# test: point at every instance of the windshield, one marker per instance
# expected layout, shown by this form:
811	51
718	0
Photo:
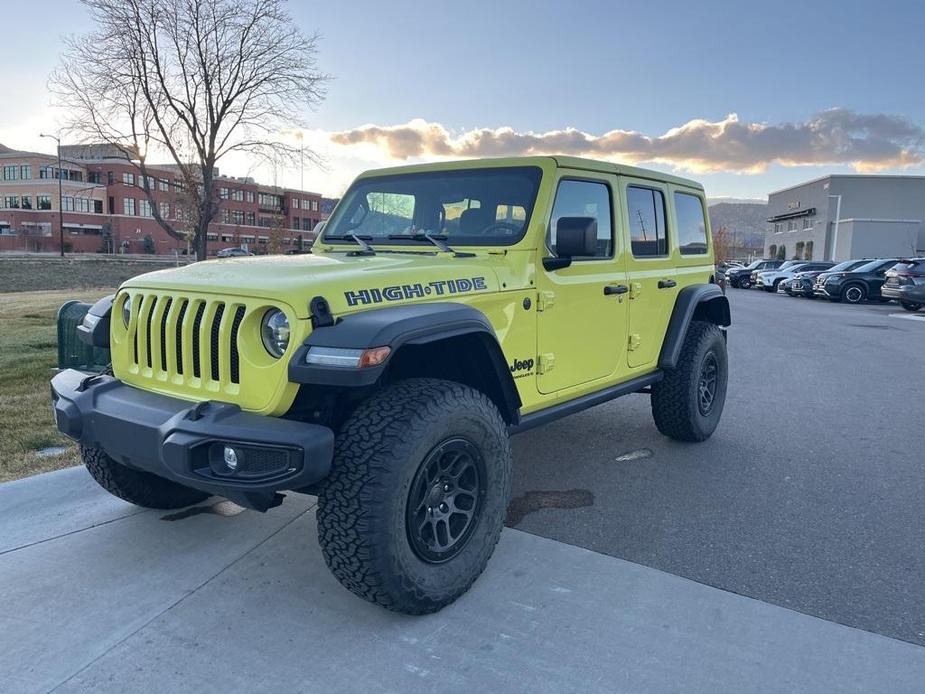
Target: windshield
873	265
845	266
468	207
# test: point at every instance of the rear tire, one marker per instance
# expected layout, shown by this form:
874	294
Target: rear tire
745	284
135	486
910	305
386	524
854	294
688	402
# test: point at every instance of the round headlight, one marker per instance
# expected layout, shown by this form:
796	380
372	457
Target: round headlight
126	310
274	329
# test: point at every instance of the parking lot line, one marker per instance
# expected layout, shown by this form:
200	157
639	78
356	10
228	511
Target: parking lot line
908	316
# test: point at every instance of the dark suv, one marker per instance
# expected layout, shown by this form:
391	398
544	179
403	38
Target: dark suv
905	282
856	286
741	277
803	282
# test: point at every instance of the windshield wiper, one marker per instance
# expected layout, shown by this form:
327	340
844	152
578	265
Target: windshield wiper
366	249
439	240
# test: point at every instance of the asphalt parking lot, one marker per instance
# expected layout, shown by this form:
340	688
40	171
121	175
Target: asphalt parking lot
809	494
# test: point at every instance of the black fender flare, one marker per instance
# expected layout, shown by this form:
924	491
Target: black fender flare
395	327
94	331
700	302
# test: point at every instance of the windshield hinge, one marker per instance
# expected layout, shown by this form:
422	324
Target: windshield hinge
320	312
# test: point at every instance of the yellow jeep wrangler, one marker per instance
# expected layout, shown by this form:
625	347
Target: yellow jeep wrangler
443	308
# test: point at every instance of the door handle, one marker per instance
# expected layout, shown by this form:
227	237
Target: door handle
615	289
667	284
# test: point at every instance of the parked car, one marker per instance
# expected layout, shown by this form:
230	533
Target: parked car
232	253
856	286
741	277
905	282
719	277
769	279
803	282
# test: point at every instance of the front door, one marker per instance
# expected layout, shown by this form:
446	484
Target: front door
582	309
651	269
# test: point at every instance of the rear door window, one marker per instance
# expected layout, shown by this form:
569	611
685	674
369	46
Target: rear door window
646	210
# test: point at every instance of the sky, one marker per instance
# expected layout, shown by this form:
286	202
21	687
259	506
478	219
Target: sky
745	97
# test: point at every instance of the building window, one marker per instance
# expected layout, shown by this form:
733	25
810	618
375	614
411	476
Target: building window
25	172
238	195
163	184
799	250
692	224
27	202
223	193
145	208
150	181
307	224
646	207
11	172
808	251
128	179
314	205
128	206
772	251
68	204
295	204
165	210
237	216
94	177
791	225
43	202
295	223
807	223
249	196
11	202
251	218
46	172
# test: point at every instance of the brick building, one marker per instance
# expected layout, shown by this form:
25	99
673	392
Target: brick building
106	209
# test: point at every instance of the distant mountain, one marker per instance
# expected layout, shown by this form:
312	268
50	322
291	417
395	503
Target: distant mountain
746	221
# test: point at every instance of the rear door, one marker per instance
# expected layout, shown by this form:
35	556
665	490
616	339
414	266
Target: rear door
650	267
582	310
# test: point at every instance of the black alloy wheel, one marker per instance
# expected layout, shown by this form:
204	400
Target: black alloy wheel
445	500
706	386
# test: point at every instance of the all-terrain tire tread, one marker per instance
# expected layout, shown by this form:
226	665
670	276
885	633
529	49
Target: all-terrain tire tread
136	486
347	524
672	406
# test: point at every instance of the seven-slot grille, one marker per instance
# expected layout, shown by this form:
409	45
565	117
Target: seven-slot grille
187	338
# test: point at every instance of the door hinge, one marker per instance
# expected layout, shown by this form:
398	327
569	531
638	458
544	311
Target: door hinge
545	362
634	342
545	301
635	290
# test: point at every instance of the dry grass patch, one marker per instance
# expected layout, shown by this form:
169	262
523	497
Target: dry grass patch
28	356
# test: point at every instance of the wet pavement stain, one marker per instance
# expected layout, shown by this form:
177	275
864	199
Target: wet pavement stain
222	508
534	501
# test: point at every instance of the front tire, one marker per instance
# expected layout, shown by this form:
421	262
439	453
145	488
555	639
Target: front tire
136	486
910	305
855	294
688	402
417	495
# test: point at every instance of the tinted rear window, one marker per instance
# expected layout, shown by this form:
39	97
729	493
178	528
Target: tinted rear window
915	267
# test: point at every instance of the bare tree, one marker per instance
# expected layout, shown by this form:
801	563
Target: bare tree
193	80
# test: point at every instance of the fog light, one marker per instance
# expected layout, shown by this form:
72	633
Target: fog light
231	458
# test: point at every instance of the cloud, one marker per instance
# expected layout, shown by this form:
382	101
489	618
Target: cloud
866	142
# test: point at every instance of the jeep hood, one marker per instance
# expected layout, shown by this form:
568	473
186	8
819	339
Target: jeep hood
349	283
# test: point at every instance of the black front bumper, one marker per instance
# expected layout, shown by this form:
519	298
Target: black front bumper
177	440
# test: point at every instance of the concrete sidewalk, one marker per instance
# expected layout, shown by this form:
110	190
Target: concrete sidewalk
98	596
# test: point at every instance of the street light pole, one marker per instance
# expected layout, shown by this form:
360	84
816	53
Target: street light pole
60	194
835	230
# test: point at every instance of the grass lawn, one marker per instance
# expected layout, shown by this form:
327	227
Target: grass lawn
28	355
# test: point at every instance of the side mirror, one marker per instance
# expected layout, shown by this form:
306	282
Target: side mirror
576	237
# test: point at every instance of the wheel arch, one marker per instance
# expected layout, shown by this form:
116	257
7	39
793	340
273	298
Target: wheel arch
445	340
704	302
